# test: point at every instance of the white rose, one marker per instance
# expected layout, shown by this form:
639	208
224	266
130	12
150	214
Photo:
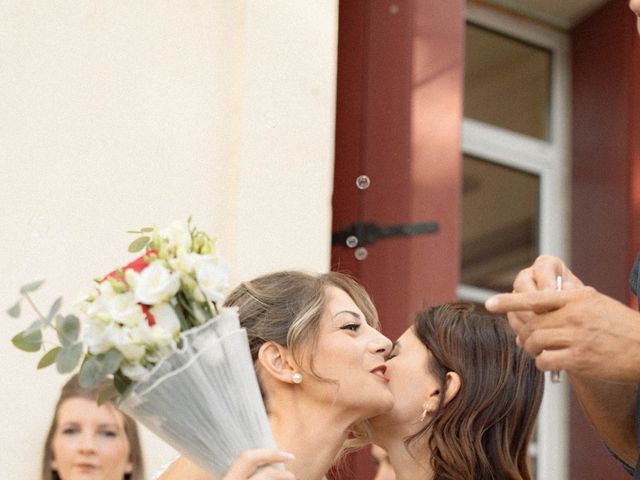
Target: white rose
155	284
131	351
185	261
141	334
96	338
98	309
106	289
125	310
101	337
166	319
213	278
177	235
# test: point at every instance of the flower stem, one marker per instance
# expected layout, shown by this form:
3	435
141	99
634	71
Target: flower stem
33	305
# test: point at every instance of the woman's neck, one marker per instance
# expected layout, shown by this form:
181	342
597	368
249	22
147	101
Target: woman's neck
314	435
408	466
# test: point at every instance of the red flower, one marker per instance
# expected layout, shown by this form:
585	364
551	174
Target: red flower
138	265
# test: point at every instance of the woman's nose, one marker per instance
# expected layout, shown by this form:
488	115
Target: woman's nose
87	443
382	344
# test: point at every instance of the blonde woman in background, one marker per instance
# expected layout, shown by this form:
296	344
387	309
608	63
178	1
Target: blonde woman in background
90	442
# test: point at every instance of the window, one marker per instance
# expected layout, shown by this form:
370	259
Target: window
515	198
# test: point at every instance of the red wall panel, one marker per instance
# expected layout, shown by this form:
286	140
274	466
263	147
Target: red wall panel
399	114
605	182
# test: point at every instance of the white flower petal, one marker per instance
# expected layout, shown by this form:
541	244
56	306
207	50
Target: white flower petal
156	284
213	278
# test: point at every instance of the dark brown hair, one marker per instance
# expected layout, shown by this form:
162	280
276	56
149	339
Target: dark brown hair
484	431
72	389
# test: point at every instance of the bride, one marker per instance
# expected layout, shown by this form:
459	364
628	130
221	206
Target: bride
320	362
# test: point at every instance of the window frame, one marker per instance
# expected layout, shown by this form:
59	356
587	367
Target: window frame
549	159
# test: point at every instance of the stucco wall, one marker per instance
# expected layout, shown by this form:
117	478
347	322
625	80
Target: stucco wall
121	114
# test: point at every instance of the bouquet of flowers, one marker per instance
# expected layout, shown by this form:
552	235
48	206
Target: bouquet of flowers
180	364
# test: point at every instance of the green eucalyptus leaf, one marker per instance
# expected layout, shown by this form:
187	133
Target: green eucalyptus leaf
55	308
36	326
49	358
68	328
107	393
15	310
111	361
91	373
69	357
28	341
146	229
31	287
139	244
121	382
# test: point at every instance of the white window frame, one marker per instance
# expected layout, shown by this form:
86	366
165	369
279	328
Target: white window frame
550	161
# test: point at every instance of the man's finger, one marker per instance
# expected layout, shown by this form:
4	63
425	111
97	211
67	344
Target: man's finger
554	360
545	270
525	281
549	339
517	320
538	302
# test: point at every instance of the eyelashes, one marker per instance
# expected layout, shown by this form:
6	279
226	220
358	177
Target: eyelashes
351	326
104	433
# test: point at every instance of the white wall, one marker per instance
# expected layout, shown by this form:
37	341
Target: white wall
121	114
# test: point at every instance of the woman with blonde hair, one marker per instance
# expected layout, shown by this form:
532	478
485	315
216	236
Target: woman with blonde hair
319	358
90	442
466	398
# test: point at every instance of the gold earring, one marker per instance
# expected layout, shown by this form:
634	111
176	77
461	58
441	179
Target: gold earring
296	378
423	415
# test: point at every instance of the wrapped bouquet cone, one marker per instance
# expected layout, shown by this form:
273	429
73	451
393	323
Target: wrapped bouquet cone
204	398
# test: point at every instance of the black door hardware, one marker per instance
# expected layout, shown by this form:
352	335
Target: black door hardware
368	233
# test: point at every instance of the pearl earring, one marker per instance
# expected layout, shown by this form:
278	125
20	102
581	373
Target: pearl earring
296	378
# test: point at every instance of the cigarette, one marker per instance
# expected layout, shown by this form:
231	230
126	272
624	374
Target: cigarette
555	374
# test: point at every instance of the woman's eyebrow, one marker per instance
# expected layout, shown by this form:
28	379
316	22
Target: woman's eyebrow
114	426
350	312
69	423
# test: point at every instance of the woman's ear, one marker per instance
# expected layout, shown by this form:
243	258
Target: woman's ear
453	384
276	361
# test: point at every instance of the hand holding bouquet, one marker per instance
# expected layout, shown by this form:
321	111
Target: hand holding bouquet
180	364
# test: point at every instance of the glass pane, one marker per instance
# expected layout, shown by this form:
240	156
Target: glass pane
507	82
500	220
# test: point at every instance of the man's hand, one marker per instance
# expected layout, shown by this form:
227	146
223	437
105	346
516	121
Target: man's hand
578	330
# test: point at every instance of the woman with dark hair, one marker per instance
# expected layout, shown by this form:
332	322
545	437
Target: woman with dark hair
90	442
466	399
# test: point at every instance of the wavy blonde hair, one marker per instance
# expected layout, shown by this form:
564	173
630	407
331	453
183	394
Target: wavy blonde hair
285	307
